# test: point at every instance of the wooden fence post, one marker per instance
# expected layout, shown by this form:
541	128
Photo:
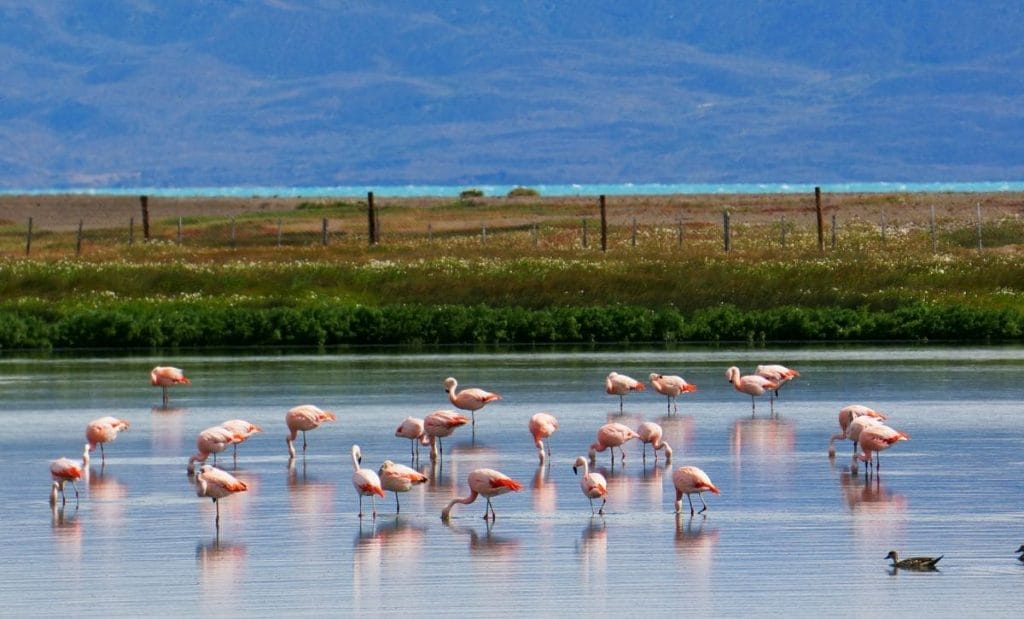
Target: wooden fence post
821	219
131	231
323	232
604	225
633	238
144	200
833	230
725	231
371	217
28	238
583	229
78	241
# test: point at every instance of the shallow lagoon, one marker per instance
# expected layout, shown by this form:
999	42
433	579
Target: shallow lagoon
791	532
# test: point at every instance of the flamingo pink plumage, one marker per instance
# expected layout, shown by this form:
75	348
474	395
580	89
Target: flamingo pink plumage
610	436
779	374
542	426
103	430
486	482
242	429
846	415
212	440
690	480
620	385
166	376
412	429
303	418
439	424
64	470
751	384
399	478
365	481
594	485
671	387
471	399
876	438
217	484
650	432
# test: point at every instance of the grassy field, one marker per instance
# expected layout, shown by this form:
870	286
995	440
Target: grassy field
493	270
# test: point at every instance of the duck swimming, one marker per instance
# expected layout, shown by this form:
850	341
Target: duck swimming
923	564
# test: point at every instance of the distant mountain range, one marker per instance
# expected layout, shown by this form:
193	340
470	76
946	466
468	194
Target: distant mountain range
286	92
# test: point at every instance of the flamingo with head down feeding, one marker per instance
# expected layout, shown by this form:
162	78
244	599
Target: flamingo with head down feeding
542	426
690	480
877	438
610	436
103	430
64	470
303	418
488	483
650	432
846	416
439	424
212	440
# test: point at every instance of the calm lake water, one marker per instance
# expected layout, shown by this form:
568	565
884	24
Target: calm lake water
792	532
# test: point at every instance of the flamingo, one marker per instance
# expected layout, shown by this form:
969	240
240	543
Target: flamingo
612	435
690	480
846	415
486	482
103	430
412	429
439	424
471	399
671	387
542	425
63	470
164	376
303	418
752	384
650	432
857	425
778	374
594	485
620	385
876	438
399	478
212	440
242	429
365	482
217	484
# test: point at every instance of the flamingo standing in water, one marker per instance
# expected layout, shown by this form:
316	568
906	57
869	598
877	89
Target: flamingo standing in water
399	478
874	439
164	376
242	430
103	430
212	440
846	415
471	399
64	470
690	480
650	432
303	418
779	374
594	485
217	484
542	426
610	436
751	384
620	385
671	387
365	481
412	429
439	424
857	425
486	482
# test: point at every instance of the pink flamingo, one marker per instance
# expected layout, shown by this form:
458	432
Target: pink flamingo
412	429
690	480
242	429
874	439
779	374
620	385
399	478
846	415
212	440
217	484
304	418
650	432
671	387
439	424
103	430
752	384
610	436
64	470
471	399
594	485
857	425
542	426
486	482
365	482
164	376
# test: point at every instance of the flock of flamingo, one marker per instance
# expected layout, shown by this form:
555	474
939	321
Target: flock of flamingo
863	426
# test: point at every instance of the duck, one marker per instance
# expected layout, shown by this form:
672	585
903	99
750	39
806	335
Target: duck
1021	550
923	564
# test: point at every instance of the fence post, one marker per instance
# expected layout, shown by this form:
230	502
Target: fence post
725	230
931	231
78	241
633	238
28	238
821	219
371	217
323	232
144	200
978	226
131	231
583	227
833	230
604	225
